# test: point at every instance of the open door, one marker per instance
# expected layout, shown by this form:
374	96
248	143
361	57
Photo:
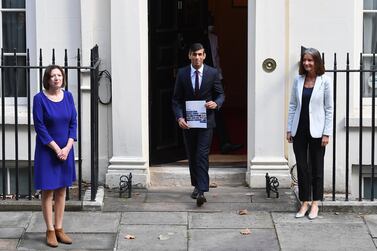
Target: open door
173	26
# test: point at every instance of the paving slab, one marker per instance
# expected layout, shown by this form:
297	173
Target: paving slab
371	221
213	196
322	218
14	219
147	238
326	236
11	232
348	230
8	244
80	222
207	207
232	239
230	220
154	218
102	241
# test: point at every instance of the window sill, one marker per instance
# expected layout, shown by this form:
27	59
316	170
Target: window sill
354	122
22	115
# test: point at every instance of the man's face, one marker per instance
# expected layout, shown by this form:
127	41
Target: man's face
197	58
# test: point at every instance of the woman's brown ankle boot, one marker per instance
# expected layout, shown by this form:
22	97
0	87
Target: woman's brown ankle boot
62	237
51	238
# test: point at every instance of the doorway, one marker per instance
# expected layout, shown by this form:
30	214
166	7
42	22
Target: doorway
173	26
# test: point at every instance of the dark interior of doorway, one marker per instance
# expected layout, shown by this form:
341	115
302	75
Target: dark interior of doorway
173	25
230	23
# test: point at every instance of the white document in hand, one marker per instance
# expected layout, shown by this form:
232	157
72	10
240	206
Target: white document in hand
196	114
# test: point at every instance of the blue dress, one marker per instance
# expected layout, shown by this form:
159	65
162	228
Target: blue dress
53	121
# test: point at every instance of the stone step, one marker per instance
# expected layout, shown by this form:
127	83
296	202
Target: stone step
180	176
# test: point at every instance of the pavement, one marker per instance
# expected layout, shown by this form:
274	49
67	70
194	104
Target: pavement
166	218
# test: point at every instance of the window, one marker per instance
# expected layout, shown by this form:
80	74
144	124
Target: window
369	42
13	32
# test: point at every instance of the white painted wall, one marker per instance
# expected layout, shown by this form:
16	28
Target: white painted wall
331	27
95	29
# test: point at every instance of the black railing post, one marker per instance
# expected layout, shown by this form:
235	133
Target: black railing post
94	121
16	122
28	122
66	68
4	173
361	127
373	123
79	122
53	56
40	70
347	121
334	131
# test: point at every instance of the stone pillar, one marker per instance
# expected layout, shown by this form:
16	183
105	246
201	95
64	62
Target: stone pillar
268	38
129	68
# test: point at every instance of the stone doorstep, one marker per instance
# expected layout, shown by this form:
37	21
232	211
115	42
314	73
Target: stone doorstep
340	205
180	176
71	205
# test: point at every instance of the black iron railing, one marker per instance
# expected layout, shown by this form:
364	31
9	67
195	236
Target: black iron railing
361	127
14	71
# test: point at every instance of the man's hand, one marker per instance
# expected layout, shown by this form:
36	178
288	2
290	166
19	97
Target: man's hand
182	123
211	105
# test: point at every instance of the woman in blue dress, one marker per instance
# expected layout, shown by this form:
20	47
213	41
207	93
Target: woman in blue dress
55	123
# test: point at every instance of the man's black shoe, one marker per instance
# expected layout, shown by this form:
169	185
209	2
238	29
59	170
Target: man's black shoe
200	200
195	193
228	147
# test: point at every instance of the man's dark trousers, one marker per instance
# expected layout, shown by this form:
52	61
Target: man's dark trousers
197	142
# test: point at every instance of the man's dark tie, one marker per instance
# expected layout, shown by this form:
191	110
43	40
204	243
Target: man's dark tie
197	84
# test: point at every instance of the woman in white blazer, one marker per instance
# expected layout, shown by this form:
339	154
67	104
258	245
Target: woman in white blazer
309	127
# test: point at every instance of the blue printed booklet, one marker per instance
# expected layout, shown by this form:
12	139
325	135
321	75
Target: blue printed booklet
196	114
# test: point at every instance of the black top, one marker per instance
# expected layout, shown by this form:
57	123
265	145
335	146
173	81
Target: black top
304	115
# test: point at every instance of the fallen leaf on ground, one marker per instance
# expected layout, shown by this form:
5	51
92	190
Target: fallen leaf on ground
243	212
130	237
213	185
245	231
162	237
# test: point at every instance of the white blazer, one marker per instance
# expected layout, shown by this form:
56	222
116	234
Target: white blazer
320	106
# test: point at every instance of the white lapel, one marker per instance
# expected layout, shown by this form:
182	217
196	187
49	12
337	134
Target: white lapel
300	86
317	85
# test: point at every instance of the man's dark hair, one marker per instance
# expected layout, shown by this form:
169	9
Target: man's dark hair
195	47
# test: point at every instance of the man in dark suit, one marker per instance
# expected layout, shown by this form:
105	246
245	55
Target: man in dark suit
197	81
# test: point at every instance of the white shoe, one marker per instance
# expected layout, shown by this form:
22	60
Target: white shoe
312	215
300	214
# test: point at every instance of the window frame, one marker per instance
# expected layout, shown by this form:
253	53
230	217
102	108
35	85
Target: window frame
10	100
367	101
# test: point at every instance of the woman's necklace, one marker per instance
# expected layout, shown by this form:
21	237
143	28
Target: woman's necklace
55	96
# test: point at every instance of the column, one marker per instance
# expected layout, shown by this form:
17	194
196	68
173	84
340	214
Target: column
129	68
268	38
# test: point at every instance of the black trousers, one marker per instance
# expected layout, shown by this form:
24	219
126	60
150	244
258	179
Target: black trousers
197	143
310	164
